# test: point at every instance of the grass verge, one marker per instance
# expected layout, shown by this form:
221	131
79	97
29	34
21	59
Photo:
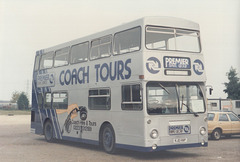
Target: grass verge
15	112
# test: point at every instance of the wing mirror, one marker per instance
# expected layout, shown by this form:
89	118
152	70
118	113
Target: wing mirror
210	89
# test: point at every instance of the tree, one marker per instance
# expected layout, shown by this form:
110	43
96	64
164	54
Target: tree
23	102
233	86
15	96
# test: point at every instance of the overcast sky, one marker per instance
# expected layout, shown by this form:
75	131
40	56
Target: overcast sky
30	25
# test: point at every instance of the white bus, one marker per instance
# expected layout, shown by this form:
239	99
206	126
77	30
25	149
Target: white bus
138	86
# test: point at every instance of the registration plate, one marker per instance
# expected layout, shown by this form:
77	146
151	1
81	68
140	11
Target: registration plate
179	140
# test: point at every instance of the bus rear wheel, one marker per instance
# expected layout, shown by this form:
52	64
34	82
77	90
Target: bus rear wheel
108	139
48	131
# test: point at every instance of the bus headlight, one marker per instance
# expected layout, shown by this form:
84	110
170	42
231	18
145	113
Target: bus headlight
154	134
202	130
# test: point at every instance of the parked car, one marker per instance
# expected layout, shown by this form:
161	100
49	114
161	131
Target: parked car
222	123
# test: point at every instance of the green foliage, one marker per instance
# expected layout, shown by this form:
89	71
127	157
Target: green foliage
233	86
23	102
15	96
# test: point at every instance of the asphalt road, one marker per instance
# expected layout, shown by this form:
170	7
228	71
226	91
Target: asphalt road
18	144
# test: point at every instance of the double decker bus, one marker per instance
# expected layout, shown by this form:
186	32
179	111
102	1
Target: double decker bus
138	86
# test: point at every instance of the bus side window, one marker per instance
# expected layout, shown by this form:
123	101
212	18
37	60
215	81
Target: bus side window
47	100
79	53
61	57
131	97
60	100
127	41
46	61
101	47
99	99
40	100
36	65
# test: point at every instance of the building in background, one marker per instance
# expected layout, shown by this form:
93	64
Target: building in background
7	105
224	105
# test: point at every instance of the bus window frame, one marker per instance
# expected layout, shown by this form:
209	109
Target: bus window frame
96	96
111	47
88	53
175	29
37	68
55	54
58	92
140	43
41	60
131	102
177	84
40	100
44	101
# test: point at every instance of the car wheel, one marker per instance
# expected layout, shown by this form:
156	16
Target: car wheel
216	134
48	131
108	139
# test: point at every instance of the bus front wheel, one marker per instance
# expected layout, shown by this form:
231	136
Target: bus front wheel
108	139
48	131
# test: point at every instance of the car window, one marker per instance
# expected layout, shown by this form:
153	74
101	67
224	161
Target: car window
211	116
233	117
223	117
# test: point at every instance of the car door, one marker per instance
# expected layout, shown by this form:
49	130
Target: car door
224	123
235	124
211	122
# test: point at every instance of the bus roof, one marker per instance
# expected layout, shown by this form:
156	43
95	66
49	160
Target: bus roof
157	20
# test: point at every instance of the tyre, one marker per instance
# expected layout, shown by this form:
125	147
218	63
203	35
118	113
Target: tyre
48	131
216	134
108	139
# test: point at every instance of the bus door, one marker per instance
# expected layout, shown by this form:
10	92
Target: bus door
69	117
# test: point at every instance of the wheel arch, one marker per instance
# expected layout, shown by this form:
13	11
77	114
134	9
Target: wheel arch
219	128
45	121
216	134
101	129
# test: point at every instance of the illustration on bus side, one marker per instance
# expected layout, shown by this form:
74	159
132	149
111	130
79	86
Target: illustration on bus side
72	112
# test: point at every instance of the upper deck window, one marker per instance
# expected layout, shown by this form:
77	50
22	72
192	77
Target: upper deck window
61	57
170	39
127	41
79	53
46	60
36	65
101	47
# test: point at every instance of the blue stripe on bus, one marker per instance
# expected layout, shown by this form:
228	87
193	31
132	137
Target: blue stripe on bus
159	148
53	118
50	113
137	148
88	141
57	124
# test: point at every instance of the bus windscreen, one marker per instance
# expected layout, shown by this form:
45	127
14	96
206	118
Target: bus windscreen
170	39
